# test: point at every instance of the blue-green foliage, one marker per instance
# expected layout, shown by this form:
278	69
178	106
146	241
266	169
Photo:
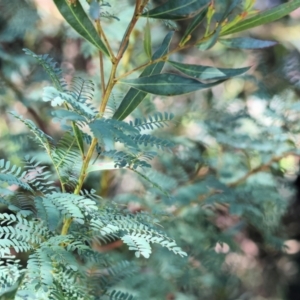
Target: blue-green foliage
123	159
221	186
158	120
54	269
50	67
108	131
12	175
52	259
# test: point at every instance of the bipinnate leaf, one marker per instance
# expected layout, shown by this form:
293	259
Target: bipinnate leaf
147	40
206	72
176	9
167	84
264	17
247	43
51	68
139	244
134	96
78	19
109	130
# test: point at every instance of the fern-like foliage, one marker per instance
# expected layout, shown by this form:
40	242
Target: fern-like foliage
118	295
107	131
51	68
136	234
41	137
37	176
150	140
53	261
78	110
65	265
57	241
80	94
10	272
13	175
124	159
158	120
106	276
65	116
83	92
23	236
65	155
34	178
73	100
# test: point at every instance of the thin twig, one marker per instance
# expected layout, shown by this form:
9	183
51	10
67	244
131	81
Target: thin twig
103	35
139	6
159	59
102	78
106	93
102	73
258	169
239	181
112	81
164	57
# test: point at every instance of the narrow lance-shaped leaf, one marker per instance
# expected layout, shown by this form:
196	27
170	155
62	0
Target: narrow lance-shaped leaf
206	72
78	19
167	84
176	9
247	43
231	5
209	41
134	97
147	40
264	17
195	22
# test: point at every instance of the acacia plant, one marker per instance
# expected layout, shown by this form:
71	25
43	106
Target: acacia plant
57	226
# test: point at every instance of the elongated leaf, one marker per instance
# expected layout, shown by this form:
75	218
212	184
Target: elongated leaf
176	9
78	19
206	72
167	84
209	41
147	40
264	17
195	22
247	43
231	5
134	97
